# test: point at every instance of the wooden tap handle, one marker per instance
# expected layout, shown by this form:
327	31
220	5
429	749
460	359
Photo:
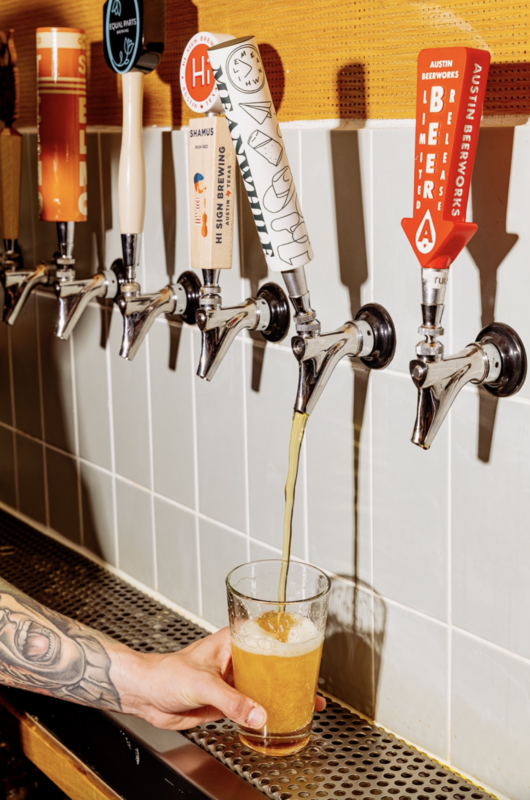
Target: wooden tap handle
131	178
10	167
212	183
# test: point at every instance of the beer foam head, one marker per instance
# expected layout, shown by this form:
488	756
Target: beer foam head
303	636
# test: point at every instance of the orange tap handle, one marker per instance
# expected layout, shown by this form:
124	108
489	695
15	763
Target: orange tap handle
449	98
61	122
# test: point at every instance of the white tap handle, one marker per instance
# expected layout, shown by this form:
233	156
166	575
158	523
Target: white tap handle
131	179
260	150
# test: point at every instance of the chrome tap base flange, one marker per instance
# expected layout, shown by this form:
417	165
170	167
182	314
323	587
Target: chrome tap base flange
278	303
384	330
192	286
513	355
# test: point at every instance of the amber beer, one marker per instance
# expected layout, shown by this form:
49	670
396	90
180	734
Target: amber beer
275	653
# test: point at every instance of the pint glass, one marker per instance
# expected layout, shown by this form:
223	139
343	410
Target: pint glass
276	648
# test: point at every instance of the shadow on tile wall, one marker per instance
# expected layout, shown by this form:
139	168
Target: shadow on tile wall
356	627
253	264
490	245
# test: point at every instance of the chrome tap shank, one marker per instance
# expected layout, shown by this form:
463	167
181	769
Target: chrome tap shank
439	382
140	312
75	295
371	337
496	360
19	283
220	326
319	355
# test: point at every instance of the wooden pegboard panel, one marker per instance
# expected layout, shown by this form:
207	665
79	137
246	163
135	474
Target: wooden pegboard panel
325	59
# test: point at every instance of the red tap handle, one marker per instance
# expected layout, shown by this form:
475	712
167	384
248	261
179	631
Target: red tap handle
450	94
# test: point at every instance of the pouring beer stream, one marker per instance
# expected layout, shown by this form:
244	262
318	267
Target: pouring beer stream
268	180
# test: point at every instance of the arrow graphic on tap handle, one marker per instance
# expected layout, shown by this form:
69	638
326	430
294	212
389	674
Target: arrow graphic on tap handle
450	94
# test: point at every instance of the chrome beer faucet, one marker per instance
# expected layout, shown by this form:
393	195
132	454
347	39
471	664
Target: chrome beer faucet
370	337
18	284
267	313
74	295
141	310
496	360
447	130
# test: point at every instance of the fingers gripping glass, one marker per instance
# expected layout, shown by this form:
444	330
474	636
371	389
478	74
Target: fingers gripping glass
276	648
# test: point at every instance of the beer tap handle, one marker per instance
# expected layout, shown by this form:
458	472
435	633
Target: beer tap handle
211	159
10	144
133	43
10	170
244	92
450	93
131	177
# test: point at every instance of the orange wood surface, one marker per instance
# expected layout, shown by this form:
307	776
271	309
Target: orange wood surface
73	777
342	59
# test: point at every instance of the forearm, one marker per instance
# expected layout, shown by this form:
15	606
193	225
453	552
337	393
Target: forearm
47	652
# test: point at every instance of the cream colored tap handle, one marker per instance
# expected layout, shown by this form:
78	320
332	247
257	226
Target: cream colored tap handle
131	178
212	178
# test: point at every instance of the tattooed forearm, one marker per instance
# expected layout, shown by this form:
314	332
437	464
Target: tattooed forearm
44	651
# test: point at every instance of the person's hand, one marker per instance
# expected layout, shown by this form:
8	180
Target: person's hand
188	688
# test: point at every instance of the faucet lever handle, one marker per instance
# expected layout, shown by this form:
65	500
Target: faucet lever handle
450	93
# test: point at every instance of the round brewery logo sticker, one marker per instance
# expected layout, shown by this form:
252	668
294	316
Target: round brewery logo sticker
197	82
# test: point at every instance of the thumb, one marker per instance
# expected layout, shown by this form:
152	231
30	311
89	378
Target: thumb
235	705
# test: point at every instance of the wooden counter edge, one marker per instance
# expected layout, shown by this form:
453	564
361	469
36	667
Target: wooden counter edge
61	766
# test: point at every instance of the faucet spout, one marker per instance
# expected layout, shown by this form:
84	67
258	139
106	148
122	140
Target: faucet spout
139	313
17	287
370	337
75	295
267	313
318	356
219	327
440	382
141	310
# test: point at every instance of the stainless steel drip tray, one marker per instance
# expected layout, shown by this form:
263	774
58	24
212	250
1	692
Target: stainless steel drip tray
347	756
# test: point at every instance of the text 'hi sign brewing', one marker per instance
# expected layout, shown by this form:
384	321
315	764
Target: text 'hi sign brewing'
450	94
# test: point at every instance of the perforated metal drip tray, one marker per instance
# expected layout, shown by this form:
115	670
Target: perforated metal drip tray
347	757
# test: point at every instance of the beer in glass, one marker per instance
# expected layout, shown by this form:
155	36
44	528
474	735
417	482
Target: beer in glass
276	648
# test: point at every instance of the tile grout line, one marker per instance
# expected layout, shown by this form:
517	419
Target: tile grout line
151	462
449	586
107	322
194	405
150	431
76	440
245	444
42	423
450	545
13	415
371	424
196	472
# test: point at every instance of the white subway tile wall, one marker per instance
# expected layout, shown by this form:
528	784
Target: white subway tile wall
176	481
